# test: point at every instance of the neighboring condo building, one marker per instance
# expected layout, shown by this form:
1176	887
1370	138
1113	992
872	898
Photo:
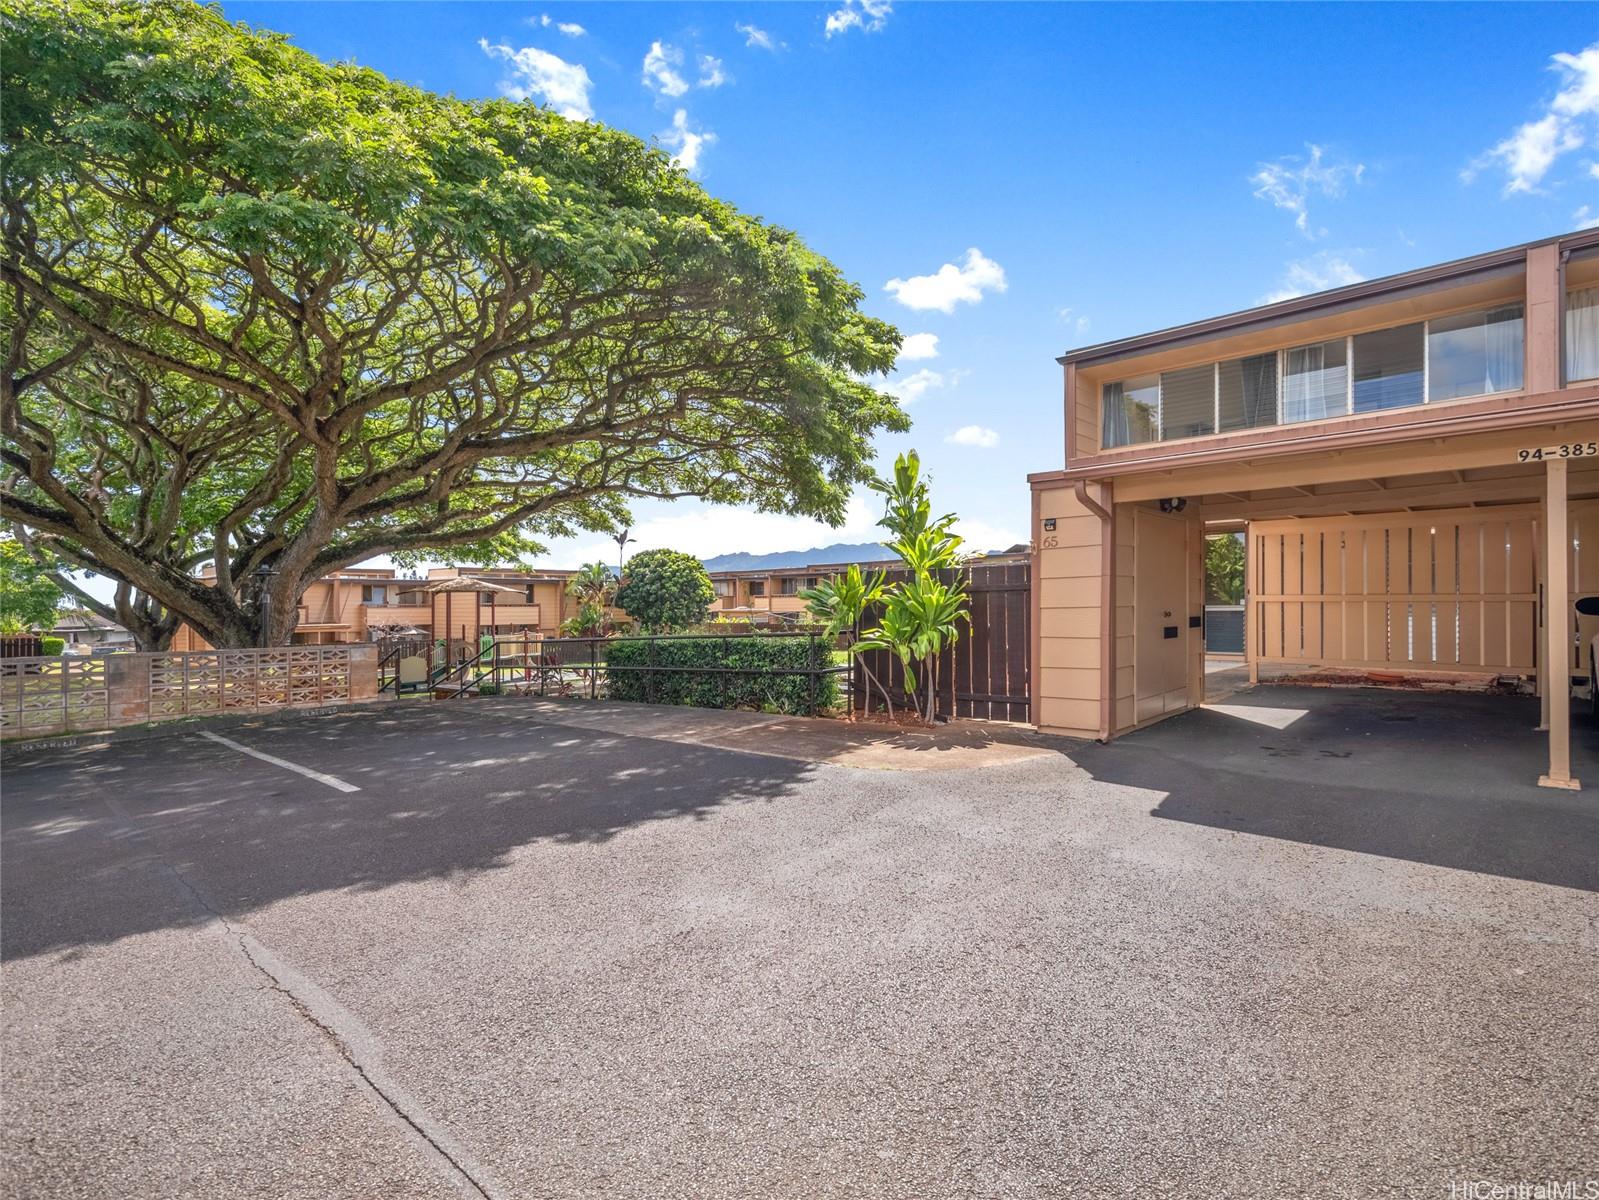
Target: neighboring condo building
368	603
772	595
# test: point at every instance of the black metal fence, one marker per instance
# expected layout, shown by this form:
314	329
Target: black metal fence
592	667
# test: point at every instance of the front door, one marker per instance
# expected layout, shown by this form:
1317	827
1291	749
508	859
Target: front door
1160	599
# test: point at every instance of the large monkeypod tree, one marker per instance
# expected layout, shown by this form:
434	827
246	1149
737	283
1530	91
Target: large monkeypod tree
265	317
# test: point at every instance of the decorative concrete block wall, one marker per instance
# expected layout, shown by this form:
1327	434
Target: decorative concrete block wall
71	694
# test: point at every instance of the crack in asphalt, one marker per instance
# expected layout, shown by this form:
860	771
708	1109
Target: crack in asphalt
344	1031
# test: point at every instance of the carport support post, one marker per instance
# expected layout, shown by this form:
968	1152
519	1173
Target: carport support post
1557	653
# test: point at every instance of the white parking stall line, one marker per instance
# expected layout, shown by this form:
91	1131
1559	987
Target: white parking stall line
331	781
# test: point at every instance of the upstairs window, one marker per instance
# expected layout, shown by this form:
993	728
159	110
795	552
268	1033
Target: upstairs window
1316	381
788	586
757	587
1188	402
1389	368
1582	334
1131	412
1246	392
1475	353
1448	358
374	594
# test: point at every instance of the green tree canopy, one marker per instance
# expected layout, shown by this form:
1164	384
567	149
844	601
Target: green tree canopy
664	590
29	599
1224	569
279	316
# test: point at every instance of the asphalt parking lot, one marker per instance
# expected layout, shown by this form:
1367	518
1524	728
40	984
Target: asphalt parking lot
528	959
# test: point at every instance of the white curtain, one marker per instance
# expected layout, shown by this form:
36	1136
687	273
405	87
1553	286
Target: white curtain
1312	389
1502	350
1582	335
1114	429
1296	381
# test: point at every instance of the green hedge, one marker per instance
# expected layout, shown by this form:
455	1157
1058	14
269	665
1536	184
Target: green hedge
52	645
760	689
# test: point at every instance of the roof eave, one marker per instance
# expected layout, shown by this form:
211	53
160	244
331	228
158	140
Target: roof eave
1267	314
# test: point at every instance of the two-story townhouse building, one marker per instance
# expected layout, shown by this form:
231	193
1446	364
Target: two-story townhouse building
337	608
1411	459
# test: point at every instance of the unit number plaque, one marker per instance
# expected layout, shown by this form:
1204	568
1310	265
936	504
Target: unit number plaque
1563	450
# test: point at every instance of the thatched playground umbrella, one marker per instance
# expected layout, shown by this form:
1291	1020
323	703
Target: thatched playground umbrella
448	589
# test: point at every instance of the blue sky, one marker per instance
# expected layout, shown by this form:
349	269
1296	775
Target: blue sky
1017	180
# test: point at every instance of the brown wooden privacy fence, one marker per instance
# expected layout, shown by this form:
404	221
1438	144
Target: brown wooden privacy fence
21	646
985	674
40	696
1442	591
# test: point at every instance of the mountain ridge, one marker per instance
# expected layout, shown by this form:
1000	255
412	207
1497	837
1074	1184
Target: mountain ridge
838	552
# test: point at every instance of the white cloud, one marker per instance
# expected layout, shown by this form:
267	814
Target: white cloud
1079	322
973	435
1586	218
562	85
711	73
983	535
570	28
950	285
1570	121
660	70
1314	274
1291	181
684	143
757	37
917	346
911	388
867	15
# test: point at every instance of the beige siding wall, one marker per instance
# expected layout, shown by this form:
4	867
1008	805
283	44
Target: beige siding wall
1069	566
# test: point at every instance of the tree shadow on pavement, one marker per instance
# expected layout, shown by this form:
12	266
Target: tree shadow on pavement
445	793
1448	780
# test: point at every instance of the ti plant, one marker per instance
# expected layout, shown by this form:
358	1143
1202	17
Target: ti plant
922	613
839	604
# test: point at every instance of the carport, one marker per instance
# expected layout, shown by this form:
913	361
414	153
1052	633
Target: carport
1357	565
1387	536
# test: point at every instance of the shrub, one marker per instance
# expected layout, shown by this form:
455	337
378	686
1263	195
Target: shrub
52	645
761	689
665	589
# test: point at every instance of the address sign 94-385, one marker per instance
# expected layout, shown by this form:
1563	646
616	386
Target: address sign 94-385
1564	450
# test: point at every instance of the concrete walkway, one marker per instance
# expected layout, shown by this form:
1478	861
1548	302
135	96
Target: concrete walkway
955	746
